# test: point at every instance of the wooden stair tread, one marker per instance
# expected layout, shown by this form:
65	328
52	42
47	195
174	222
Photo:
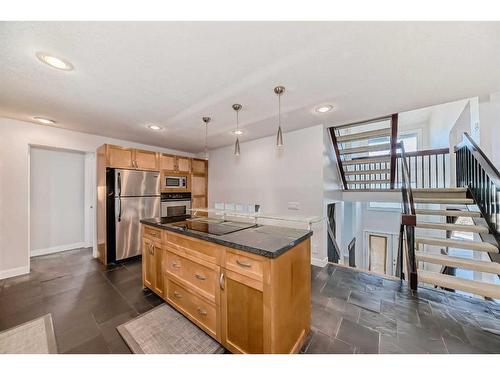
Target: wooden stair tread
421	211
359	150
368	160
444	200
451	261
453	282
454	227
364	135
440	190
371	171
460	244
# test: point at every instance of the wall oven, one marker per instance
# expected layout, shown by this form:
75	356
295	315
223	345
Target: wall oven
175	182
175	204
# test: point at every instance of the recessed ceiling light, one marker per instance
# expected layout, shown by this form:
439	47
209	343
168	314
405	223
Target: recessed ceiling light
237	132
324	108
155	127
44	120
54	62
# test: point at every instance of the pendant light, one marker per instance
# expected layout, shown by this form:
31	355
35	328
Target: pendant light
279	90
237	108
206	120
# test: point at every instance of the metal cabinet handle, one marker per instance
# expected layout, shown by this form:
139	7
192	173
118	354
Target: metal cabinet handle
243	264
200	277
175	265
177	295
201	311
221	281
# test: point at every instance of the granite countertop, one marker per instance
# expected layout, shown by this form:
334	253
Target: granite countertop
265	240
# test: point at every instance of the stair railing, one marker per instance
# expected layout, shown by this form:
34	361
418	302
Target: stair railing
475	171
426	168
407	227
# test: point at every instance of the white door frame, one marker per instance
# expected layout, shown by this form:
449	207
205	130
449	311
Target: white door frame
90	202
392	250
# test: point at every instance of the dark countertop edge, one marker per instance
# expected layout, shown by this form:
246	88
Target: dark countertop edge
213	239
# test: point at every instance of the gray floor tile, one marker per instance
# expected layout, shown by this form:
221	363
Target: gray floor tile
364	340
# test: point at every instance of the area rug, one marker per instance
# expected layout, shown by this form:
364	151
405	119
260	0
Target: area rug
33	337
163	330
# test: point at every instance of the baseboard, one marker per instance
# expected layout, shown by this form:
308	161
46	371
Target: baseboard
319	262
56	249
14	272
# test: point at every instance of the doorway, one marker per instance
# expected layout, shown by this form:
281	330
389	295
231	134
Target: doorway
61	200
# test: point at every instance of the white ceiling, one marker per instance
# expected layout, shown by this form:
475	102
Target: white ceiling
129	74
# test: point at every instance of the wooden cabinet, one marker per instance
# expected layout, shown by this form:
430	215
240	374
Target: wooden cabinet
152	261
120	157
183	164
242	306
131	158
148	264
175	163
147	160
199	183
247	302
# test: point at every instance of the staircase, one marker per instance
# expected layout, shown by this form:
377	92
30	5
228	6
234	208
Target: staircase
366	153
460	201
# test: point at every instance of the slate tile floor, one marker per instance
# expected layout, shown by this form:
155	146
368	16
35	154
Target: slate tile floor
87	300
357	312
352	312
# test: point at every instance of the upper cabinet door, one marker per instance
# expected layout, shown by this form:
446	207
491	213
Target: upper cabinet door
183	164
120	157
199	166
167	162
146	160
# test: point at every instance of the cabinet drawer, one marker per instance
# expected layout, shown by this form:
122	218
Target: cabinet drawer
201	312
250	266
152	232
196	275
184	245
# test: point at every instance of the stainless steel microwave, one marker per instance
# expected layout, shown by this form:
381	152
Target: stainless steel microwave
175	182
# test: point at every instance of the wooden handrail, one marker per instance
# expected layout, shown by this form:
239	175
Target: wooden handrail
339	160
433	151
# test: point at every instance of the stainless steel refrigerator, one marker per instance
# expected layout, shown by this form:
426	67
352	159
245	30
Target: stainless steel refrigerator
131	196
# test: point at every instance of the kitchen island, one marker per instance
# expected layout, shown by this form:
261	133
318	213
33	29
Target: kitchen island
248	286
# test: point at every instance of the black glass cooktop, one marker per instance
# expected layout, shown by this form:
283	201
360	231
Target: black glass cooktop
215	228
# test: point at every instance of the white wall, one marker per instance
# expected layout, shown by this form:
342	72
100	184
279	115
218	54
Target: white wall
272	178
57	197
489	116
15	139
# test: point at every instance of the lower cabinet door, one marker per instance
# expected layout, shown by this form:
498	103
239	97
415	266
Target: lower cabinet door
158	254
148	264
242	313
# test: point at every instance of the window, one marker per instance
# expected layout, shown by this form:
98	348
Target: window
410	141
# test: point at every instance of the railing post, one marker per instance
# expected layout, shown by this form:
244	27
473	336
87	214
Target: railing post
394	140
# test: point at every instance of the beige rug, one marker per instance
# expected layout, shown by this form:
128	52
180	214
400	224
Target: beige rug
34	337
163	330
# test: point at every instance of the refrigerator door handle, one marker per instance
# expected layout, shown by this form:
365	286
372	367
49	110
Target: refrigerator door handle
119	197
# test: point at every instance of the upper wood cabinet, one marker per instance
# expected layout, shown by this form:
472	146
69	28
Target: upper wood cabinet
199	166
119	157
131	158
146	160
175	163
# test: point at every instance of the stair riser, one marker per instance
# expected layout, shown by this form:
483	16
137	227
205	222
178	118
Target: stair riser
488	267
443	201
454	195
459	245
461	228
491	290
